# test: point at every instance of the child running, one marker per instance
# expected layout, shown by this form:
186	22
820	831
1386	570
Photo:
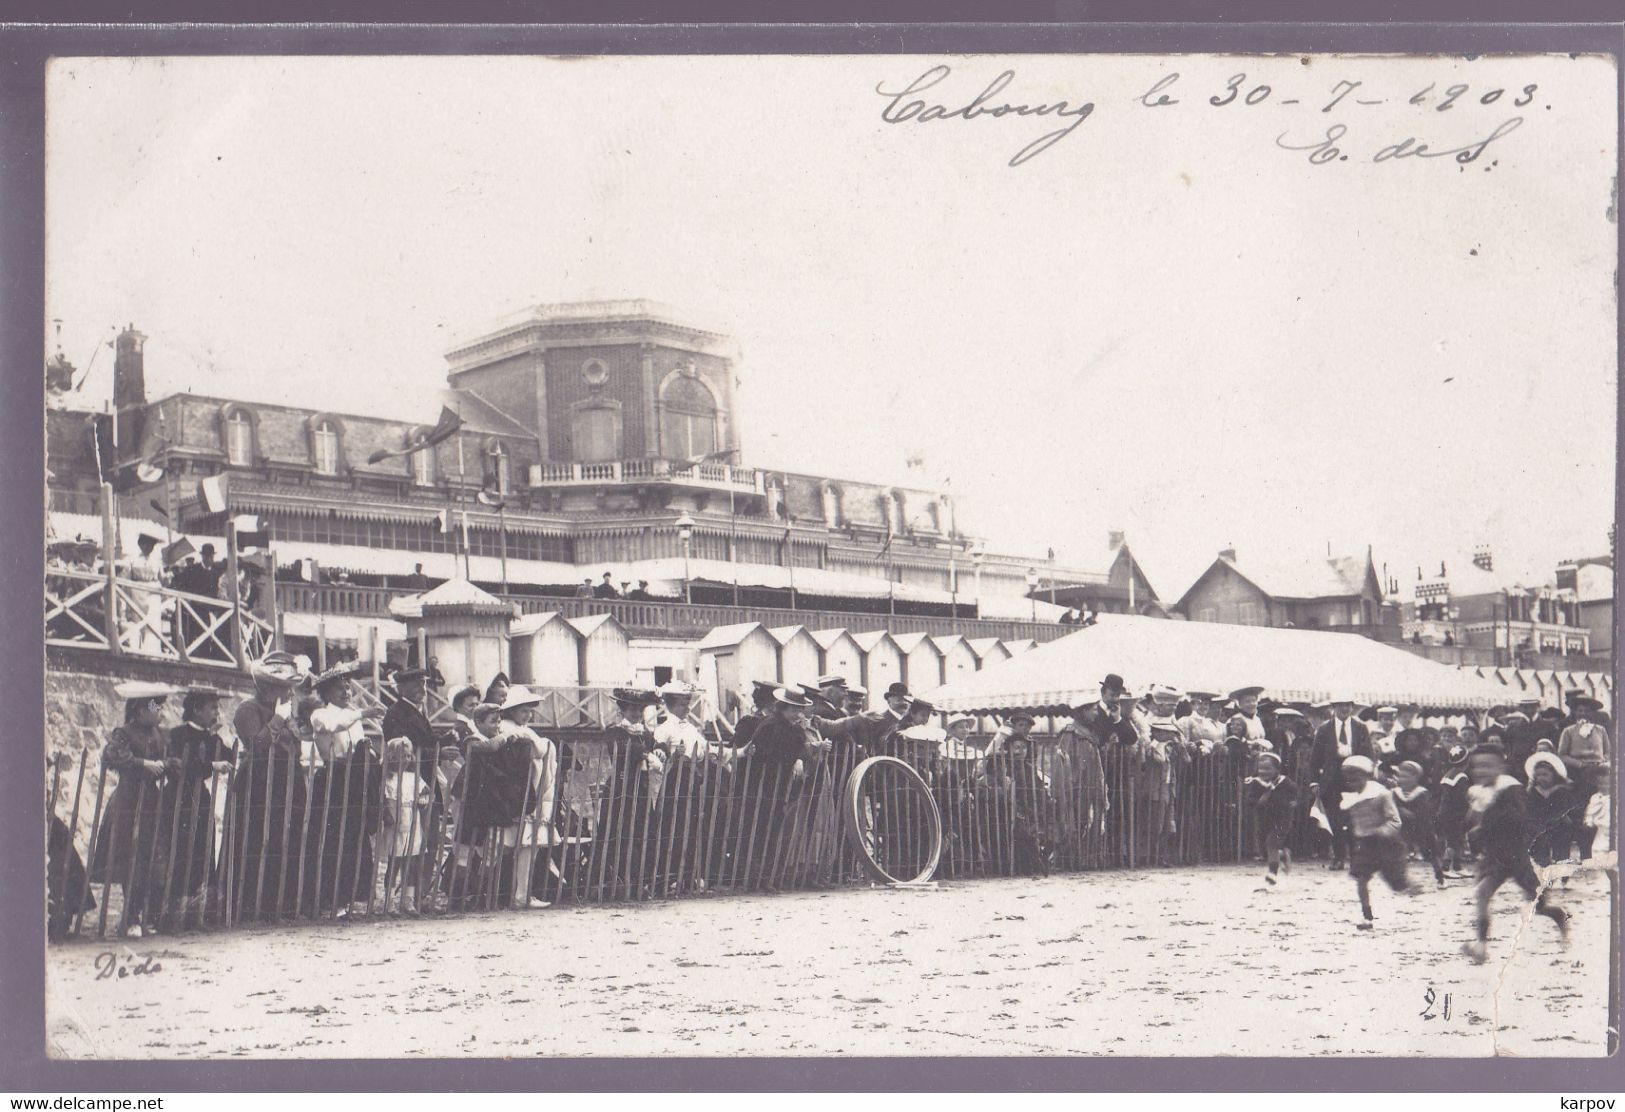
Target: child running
1377	844
1499	821
1273	799
1418	813
1452	809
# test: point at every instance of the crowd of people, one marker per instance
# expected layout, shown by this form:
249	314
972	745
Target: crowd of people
146	617
323	801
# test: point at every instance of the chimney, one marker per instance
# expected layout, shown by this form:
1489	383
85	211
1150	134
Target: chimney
1115	538
1228	554
129	370
1482	558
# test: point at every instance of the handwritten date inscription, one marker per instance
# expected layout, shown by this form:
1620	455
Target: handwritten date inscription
1449	123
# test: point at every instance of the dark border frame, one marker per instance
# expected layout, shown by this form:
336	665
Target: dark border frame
493	28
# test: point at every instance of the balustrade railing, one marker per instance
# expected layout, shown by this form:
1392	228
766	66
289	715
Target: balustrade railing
711	473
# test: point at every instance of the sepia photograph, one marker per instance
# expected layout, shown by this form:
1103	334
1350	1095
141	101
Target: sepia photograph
746	555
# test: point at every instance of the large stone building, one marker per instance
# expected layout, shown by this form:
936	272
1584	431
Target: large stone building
1471	613
592	438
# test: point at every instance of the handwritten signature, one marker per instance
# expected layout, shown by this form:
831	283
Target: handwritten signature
918	111
1325	145
110	966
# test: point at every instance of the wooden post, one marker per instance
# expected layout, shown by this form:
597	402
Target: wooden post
321	643
423	648
110	609
271	616
236	594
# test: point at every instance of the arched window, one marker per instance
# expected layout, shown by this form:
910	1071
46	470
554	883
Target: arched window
324	447
688	419
423	462
239	438
832	506
501	467
595	432
894	511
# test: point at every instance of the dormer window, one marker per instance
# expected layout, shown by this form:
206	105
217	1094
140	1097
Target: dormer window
239	438
324	447
501	471
423	462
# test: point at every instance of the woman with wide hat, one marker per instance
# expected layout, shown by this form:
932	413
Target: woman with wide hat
127	844
267	826
346	796
203	763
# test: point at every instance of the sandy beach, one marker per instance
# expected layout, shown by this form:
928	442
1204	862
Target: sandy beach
1176	962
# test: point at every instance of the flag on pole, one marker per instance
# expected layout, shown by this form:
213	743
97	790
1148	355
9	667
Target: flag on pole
250	532
211	492
712	457
444	429
489	497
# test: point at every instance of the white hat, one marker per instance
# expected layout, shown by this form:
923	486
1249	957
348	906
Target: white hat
1164	691
1539	759
1359	764
1387	710
676	689
519	697
145	689
956	719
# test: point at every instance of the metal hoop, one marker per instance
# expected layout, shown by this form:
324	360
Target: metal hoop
851	812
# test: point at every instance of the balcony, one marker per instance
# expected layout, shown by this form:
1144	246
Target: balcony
709	476
673	619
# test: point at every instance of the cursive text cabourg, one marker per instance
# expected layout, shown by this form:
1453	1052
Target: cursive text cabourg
902	110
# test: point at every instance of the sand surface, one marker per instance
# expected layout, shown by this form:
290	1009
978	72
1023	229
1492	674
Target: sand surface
1176	962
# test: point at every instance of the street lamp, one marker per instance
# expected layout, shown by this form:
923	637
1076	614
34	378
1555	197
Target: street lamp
1032	590
685	533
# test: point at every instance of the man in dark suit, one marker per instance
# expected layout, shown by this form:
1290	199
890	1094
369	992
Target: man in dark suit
1343	737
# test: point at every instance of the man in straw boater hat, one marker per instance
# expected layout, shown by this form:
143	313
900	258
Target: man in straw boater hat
1343	737
271	797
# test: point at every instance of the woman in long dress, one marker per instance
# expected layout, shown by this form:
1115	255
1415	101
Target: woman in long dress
127	844
346	798
201	762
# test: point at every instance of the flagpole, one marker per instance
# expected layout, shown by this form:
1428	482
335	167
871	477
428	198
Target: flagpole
502	533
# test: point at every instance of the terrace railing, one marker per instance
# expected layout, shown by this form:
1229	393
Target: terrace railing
655	618
94	610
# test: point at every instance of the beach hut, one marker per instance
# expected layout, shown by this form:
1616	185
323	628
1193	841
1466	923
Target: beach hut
731	656
606	657
957	658
544	650
988	650
882	664
839	655
922	660
466	630
1019	645
799	654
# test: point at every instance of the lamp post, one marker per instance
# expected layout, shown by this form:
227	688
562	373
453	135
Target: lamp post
976	558
685	533
1032	590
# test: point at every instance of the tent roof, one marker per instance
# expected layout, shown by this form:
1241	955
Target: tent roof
460	594
1293	664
